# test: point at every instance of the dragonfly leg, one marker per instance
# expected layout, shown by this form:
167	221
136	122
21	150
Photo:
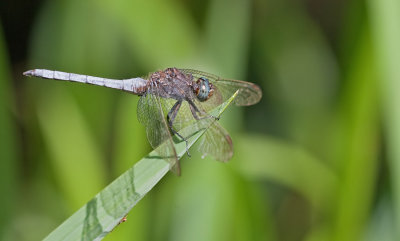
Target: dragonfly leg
171	117
195	110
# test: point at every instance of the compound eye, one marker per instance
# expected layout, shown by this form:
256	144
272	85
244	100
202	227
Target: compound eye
203	90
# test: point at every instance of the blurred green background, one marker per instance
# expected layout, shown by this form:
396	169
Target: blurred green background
317	159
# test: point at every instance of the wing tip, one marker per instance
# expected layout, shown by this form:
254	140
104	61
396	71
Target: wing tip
258	92
256	96
176	168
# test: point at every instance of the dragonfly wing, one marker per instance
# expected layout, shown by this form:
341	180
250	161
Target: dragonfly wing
183	117
151	113
217	143
249	93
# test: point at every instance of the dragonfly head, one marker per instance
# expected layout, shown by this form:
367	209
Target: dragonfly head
204	89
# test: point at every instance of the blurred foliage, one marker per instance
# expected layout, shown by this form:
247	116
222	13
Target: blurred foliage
316	159
8	144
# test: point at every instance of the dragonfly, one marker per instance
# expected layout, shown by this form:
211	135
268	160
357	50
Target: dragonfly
173	99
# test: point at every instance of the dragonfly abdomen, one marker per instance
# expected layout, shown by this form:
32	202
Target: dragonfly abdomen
135	85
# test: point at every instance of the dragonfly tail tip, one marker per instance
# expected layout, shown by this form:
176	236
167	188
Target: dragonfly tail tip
28	73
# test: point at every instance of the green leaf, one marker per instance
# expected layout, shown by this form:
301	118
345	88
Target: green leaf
229	57
75	158
288	165
359	154
385	17
8	147
106	210
140	20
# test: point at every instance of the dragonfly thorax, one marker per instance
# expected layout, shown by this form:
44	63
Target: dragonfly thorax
203	89
171	83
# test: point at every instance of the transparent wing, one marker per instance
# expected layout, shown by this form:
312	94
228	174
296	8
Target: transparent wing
184	116
249	93
217	143
151	113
